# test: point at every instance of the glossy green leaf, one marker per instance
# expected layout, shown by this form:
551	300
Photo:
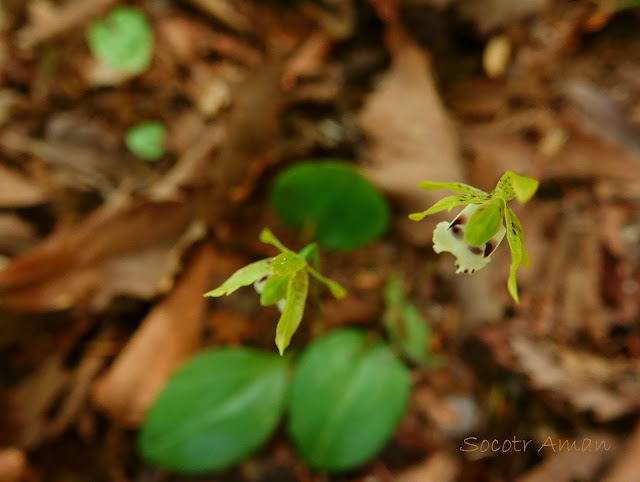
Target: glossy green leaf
484	223
336	288
287	262
515	239
215	411
297	290
447	203
243	277
274	289
146	140
451	186
512	185
347	396
124	40
331	202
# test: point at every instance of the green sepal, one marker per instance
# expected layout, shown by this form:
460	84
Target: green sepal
267	237
512	185
484	223
297	290
275	288
336	288
452	186
287	262
515	238
311	255
449	203
243	277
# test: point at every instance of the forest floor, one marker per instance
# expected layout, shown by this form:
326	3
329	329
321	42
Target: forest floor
104	257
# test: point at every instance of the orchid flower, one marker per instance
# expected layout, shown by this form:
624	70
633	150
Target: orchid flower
479	229
282	280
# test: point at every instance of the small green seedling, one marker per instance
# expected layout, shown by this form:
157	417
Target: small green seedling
478	230
283	281
146	140
123	41
409	333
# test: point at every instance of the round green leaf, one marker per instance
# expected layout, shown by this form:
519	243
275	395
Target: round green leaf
215	411
146	140
331	199
347	396
124	40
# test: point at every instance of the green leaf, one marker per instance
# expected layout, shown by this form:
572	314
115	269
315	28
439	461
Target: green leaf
484	223
124	40
331	202
408	331
515	237
448	203
452	186
215	411
267	237
512	185
243	277
336	288
146	140
287	262
347	397
274	289
297	290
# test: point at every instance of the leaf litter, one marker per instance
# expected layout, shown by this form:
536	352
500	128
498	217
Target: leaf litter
104	259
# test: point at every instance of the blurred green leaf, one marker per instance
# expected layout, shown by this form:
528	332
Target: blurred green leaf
407	329
340	208
146	140
124	40
215	411
347	396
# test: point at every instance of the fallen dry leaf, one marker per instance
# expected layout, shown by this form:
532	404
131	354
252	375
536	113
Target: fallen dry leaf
18	191
410	135
13	465
166	337
627	466
100	259
439	467
571	465
492	14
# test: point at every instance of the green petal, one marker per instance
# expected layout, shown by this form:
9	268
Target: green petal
297	290
243	277
267	237
452	186
336	288
515	237
311	254
287	262
484	223
449	203
274	289
512	185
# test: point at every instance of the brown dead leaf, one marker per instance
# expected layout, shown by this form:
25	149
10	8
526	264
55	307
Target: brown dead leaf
13	465
410	135
15	234
119	249
627	466
168	335
571	465
492	14
229	327
608	388
439	467
18	191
